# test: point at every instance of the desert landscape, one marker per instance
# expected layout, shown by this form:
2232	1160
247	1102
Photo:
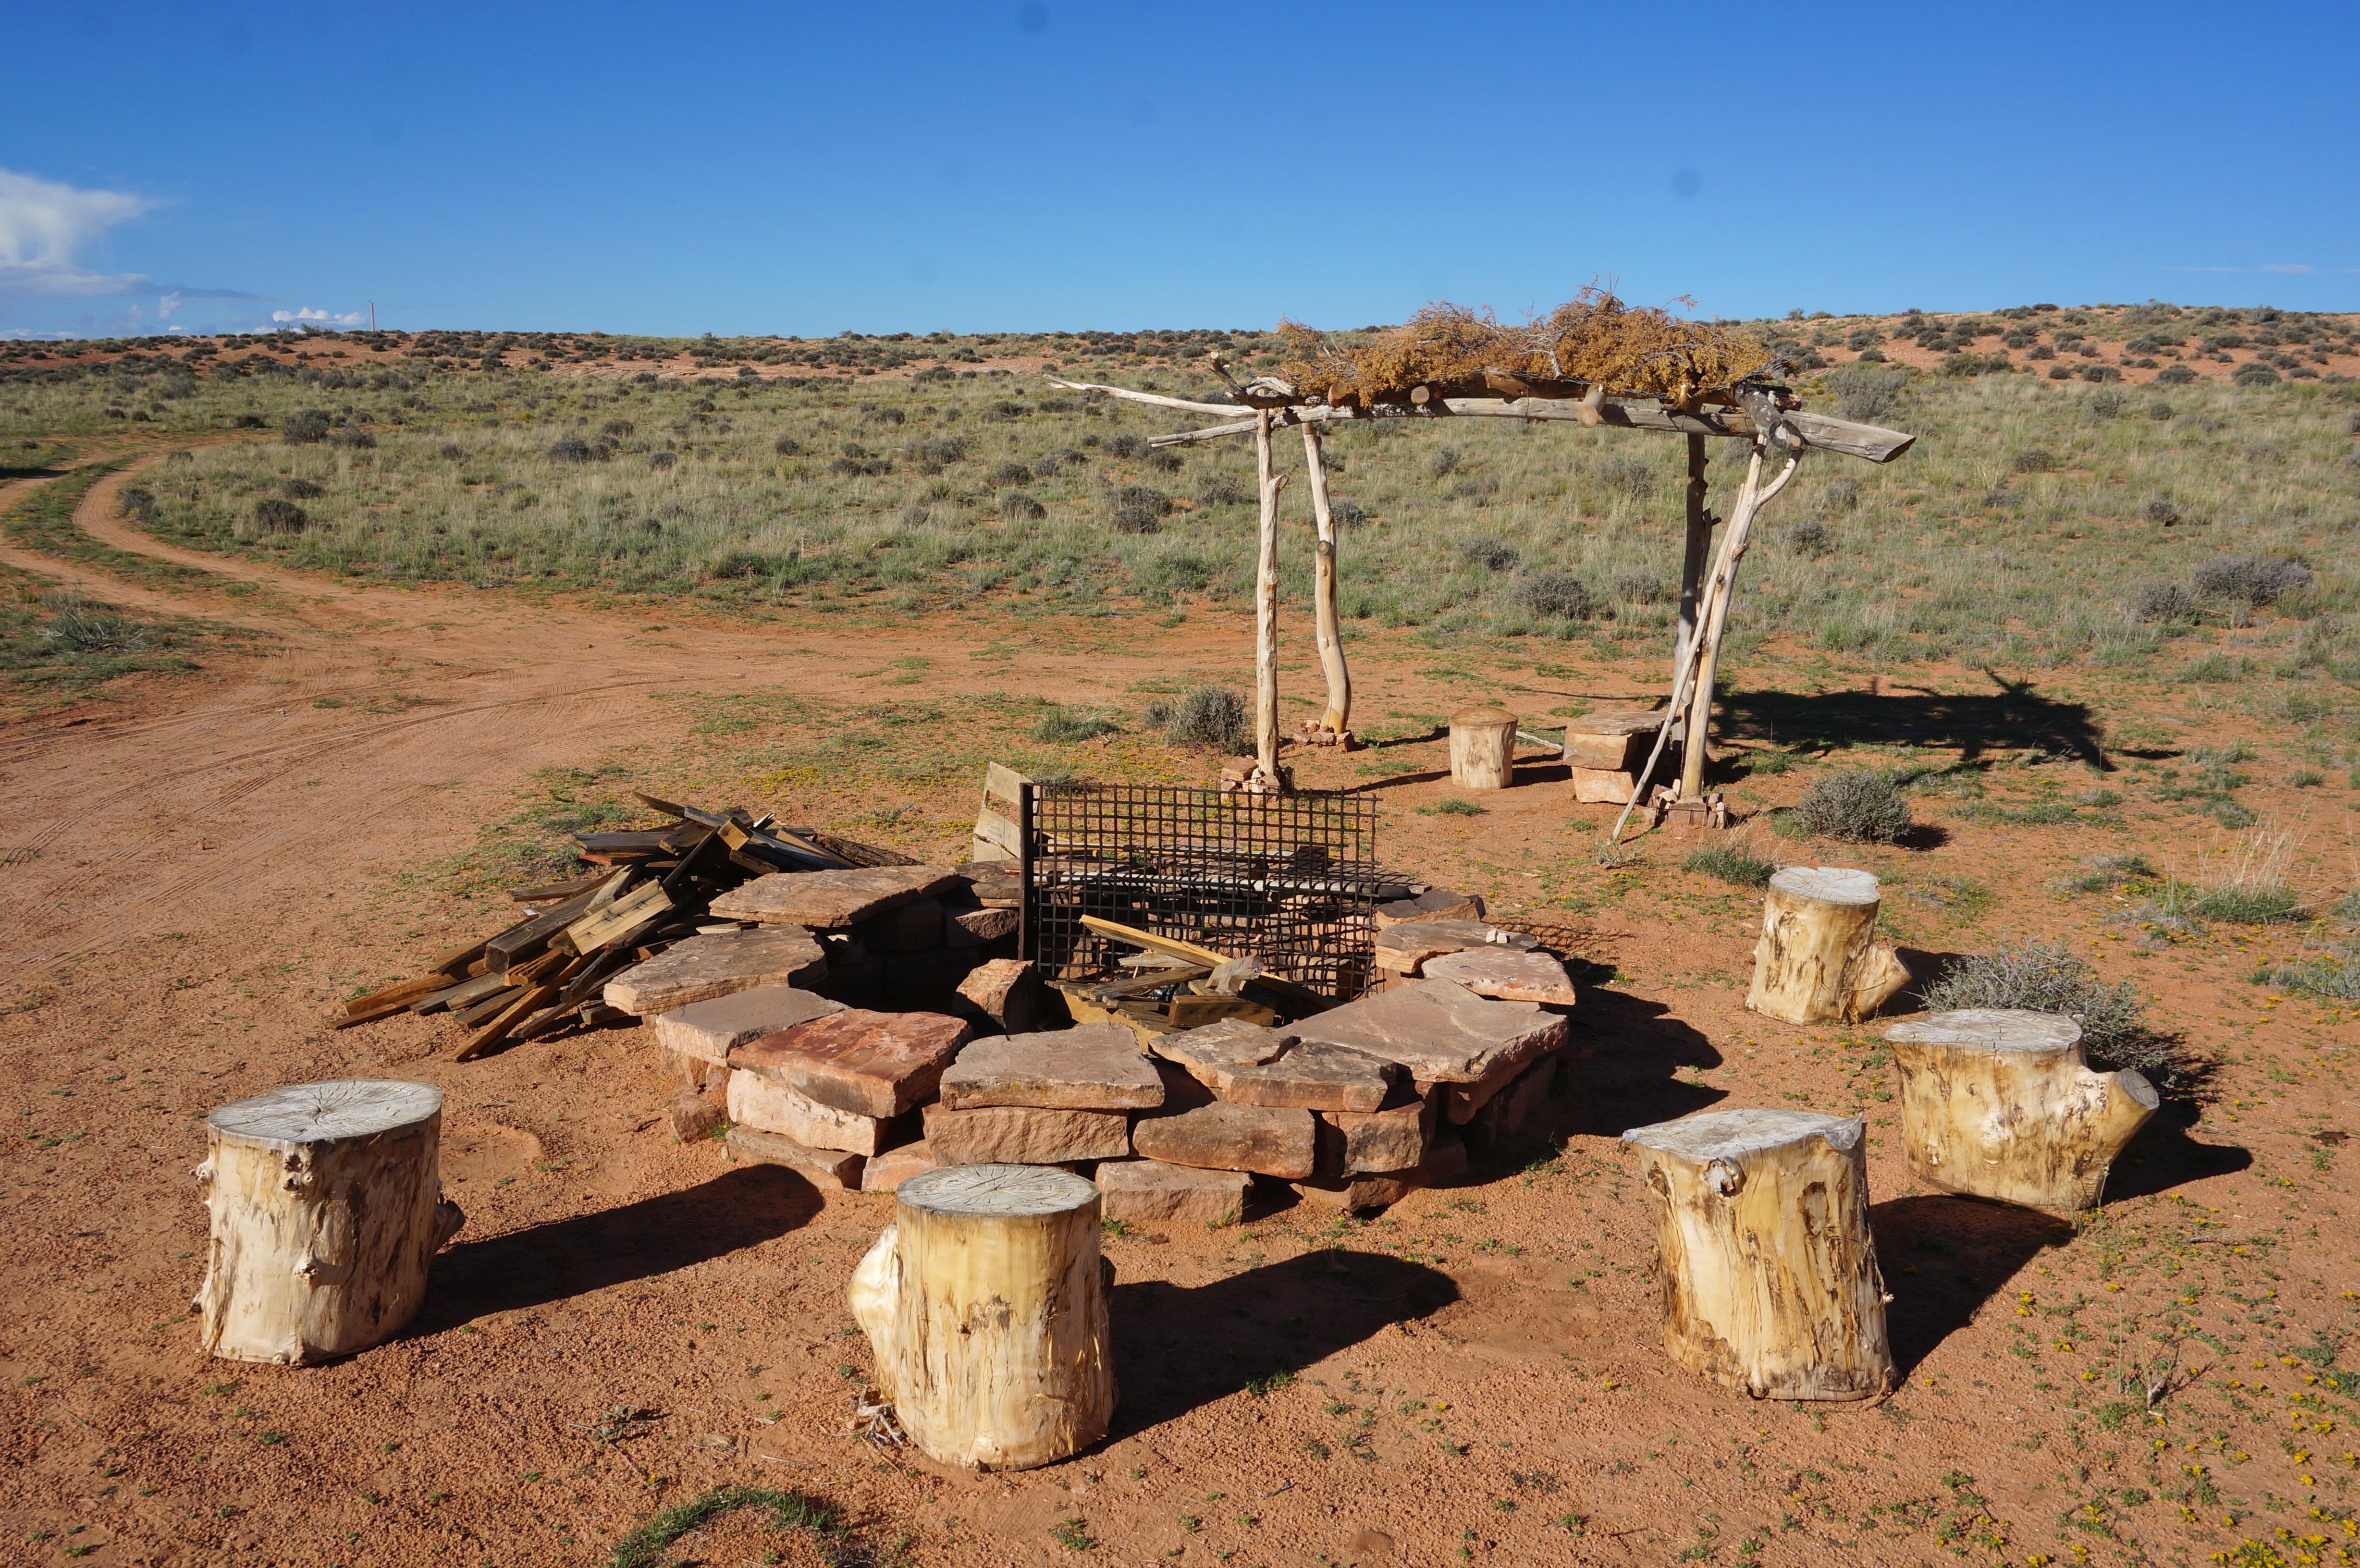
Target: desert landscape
320	645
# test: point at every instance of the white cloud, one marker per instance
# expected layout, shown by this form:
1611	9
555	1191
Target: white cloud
45	227
325	318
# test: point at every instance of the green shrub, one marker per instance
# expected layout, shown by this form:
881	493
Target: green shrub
1857	805
2335	979
1554	593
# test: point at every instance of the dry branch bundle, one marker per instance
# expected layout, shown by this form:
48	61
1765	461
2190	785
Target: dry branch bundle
1593	337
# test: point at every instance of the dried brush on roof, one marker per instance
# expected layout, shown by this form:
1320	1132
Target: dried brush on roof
1594	337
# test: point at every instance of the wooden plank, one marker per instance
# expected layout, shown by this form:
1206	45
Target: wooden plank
637	842
1139	987
458	958
532	999
1194	1012
997	831
465	994
520	943
558	891
1004	783
489	1005
633	908
394	998
668	808
1301	995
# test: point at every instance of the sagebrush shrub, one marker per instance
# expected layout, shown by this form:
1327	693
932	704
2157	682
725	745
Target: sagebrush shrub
1554	593
1009	473
137	503
273	516
1628	476
1841	495
1017	505
1811	536
2163	601
307	426
2046	977
1347	514
451	451
2254	580
1213	717
302	490
1642	588
1492	554
1866	394
1126	445
2033	459
1857	805
1061	726
1443	461
1219	489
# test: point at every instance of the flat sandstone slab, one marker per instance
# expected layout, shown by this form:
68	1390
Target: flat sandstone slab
1377	1142
1098	1067
707	1031
1441	1031
873	1064
826	899
1142	1190
706	966
770	1105
1216	1050
1261	1138
1402	948
1024	1135
888	1171
825	1168
1508	977
1307	1076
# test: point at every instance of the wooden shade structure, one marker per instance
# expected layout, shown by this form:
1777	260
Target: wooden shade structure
1766	415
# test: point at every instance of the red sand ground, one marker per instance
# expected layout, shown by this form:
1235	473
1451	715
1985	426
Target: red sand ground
199	868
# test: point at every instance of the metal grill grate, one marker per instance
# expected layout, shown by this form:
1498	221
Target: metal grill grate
1292	880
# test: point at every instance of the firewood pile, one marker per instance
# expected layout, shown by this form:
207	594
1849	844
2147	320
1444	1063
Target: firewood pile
643	893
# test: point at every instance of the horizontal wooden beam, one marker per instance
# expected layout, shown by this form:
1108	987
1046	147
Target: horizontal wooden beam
1872	443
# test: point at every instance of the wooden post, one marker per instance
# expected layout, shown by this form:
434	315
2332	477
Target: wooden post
1713	623
327	1204
1997	1102
1769	1270
1327	621
1818	960
1482	748
986	1305
1269	484
1693	559
1713	614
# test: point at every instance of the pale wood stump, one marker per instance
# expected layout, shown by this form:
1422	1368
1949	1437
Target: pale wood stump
326	1206
986	1305
1482	748
1997	1102
1819	960
1769	1272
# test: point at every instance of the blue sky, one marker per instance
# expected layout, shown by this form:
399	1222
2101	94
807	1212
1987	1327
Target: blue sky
887	168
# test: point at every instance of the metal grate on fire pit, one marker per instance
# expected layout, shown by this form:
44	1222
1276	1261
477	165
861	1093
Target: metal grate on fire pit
1292	880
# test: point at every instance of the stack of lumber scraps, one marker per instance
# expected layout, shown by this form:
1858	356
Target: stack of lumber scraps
643	892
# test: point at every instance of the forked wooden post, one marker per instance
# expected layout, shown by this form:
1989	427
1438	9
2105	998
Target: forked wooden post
1769	1270
986	1305
1269	484
326	1206
1327	621
1997	1102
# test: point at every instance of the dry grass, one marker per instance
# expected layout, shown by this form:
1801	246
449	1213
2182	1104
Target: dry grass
1593	337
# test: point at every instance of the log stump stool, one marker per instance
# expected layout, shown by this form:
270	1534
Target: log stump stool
326	1203
986	1305
1997	1102
1769	1272
1482	748
1819	960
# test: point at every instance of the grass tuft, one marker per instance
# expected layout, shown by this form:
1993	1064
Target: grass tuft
1733	863
646	1546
